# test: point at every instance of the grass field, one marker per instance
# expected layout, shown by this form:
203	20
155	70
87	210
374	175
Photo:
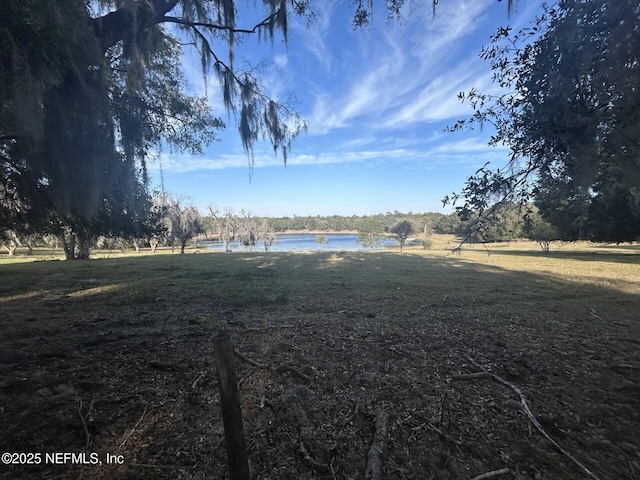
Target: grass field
126	340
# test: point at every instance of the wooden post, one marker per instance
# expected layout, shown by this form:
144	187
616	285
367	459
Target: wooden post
231	415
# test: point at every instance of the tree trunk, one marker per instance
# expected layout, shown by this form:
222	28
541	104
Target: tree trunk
136	244
153	243
68	245
84	246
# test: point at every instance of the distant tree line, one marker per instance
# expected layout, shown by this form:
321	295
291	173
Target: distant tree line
422	222
510	222
176	222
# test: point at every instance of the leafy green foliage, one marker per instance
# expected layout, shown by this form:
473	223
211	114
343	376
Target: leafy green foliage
321	240
568	113
91	89
370	232
402	231
427	244
539	230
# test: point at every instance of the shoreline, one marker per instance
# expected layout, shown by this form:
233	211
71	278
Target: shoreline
318	232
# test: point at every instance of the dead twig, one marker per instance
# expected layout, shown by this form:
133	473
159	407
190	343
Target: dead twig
378	448
83	419
352	339
124	441
280	368
269	328
593	313
289	368
249	360
534	420
333	472
418	310
324	467
356	409
471	376
493	473
197	380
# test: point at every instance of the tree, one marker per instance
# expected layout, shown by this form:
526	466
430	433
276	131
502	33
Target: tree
447	224
248	231
228	226
370	233
90	88
569	116
502	224
402	230
321	240
10	242
266	234
183	222
539	230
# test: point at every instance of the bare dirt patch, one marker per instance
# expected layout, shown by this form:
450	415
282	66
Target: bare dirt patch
116	357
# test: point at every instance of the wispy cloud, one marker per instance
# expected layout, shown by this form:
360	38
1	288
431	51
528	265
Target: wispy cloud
315	35
401	75
470	149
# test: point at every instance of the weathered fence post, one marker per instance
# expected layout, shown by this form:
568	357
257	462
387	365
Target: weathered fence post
230	402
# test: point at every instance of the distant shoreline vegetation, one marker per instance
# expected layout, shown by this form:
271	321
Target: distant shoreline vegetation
430	222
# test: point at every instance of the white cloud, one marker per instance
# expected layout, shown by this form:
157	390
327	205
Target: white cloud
470	148
324	118
314	36
438	99
281	60
401	75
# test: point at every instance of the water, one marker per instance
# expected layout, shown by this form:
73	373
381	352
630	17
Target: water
303	242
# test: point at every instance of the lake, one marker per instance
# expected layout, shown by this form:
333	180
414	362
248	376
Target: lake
303	242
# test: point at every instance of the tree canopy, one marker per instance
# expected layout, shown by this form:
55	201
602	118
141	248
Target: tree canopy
568	112
89	90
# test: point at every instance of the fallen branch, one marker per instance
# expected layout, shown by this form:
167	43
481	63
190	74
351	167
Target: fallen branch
494	473
280	368
249	360
288	368
378	448
534	420
472	376
324	467
269	328
134	427
197	380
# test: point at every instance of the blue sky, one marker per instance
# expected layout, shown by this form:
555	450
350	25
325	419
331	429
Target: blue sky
377	101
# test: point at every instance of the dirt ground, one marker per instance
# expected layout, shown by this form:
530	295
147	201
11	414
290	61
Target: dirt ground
134	377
